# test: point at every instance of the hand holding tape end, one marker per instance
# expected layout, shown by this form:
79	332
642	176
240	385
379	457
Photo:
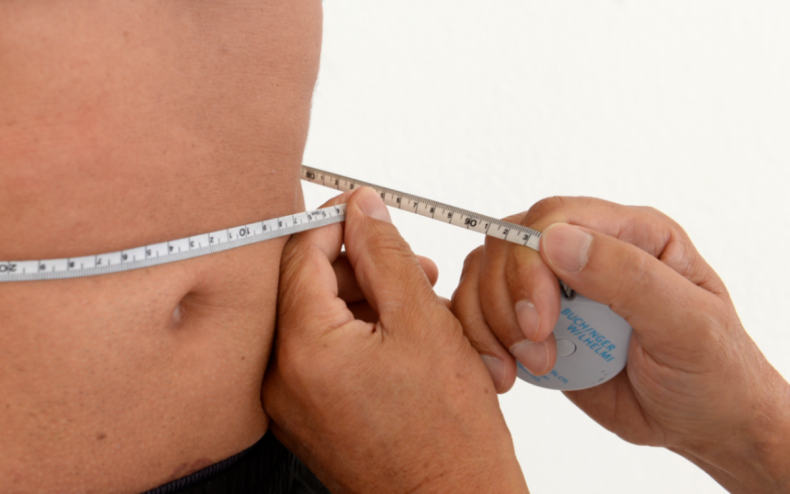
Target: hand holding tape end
372	383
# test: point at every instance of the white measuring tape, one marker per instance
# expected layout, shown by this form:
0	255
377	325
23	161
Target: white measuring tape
431	209
231	238
592	341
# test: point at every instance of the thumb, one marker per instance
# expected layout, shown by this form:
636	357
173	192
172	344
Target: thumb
659	303
388	272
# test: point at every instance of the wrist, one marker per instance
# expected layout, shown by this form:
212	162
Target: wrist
483	462
755	456
483	477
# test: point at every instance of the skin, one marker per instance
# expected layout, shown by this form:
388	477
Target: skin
339	396
695	382
124	124
128	123
373	383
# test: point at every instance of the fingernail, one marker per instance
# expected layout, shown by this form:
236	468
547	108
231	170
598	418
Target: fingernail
528	318
497	370
371	204
567	246
533	356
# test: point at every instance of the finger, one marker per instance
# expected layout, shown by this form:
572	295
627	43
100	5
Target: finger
348	288
308	296
387	271
531	286
643	227
429	268
466	307
650	295
534	291
520	299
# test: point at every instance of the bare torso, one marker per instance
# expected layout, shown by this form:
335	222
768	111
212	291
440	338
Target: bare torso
124	124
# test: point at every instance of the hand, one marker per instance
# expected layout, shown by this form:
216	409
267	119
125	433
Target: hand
695	381
398	404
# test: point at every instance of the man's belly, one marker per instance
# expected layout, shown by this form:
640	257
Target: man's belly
124	124
122	382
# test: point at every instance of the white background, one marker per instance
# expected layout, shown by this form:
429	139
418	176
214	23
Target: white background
493	105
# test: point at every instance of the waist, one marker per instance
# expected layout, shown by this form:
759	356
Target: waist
125	125
135	378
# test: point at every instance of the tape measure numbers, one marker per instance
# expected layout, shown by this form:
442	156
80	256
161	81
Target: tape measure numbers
231	238
463	218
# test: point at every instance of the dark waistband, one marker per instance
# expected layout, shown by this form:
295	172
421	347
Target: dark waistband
266	468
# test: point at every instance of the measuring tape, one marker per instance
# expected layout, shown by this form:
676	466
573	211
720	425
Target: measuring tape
463	218
239	236
580	364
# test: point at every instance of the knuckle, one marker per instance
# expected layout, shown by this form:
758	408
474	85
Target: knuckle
712	340
547	206
517	218
385	251
462	303
665	222
634	278
680	257
657	214
386	239
473	260
522	266
558	207
541	209
650	210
